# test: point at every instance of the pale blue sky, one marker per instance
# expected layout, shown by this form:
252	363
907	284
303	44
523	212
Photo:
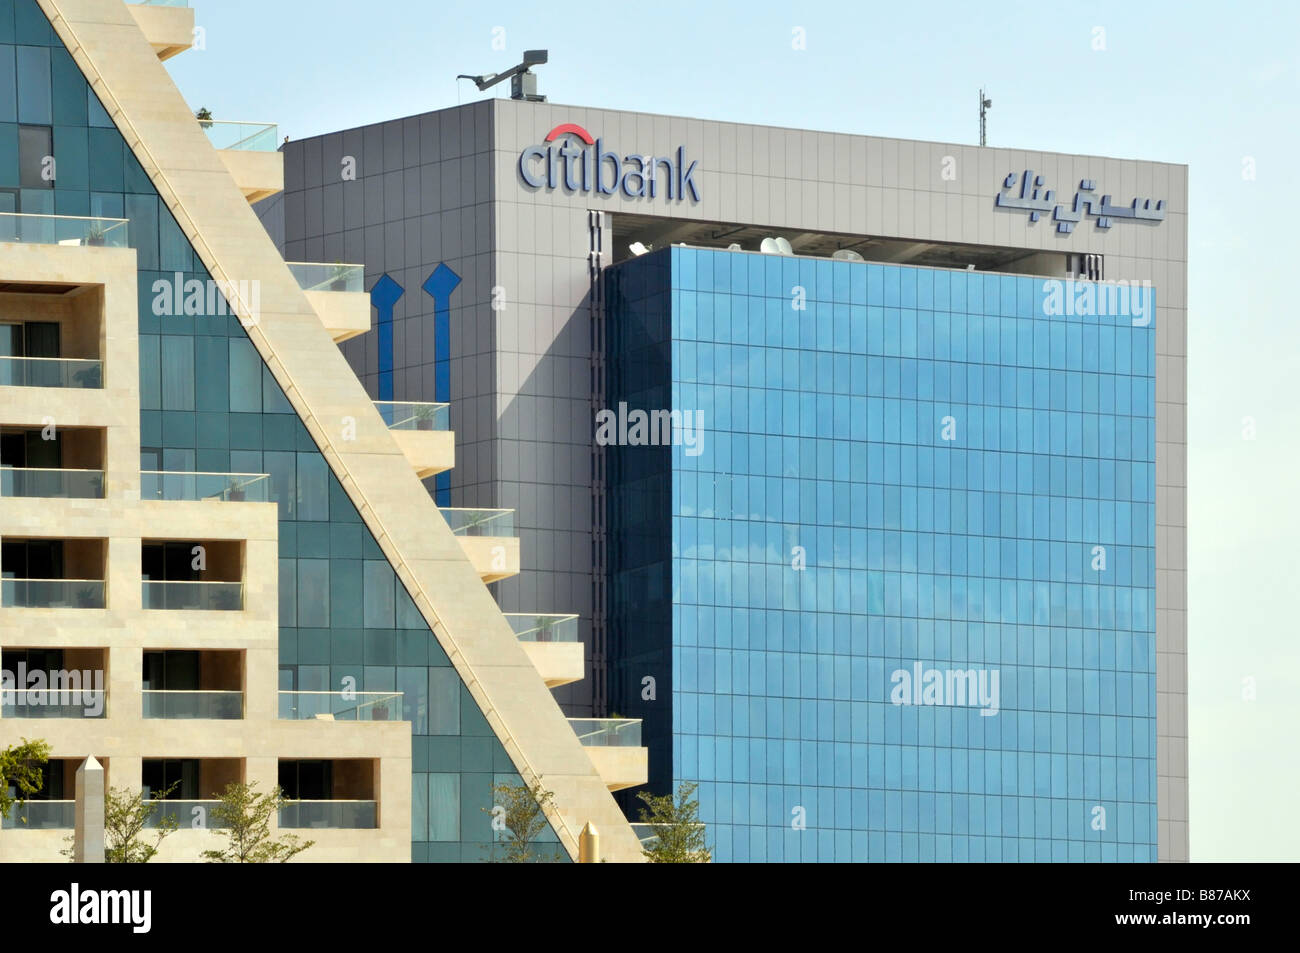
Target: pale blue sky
1181	82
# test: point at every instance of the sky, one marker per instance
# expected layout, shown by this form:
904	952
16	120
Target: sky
1214	87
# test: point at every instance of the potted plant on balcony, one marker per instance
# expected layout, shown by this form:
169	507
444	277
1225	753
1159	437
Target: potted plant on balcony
86	598
87	377
204	116
424	416
474	521
235	493
339	277
544	627
95	236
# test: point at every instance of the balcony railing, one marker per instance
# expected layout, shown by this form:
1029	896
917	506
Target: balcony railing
242	136
52	593
35	229
224	487
52	484
341	706
47	703
344	815
316	276
608	732
531	627
42	816
401	415
466	521
51	372
210	596
188	815
215	705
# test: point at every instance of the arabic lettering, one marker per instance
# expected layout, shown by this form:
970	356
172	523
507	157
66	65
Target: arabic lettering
1036	200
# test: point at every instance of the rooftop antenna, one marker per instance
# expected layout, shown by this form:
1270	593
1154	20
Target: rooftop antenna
985	105
523	81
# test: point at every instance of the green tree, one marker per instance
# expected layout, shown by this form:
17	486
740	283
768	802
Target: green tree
247	818
680	837
21	772
518	819
126	817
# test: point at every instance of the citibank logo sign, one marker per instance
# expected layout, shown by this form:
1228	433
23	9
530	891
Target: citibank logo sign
572	159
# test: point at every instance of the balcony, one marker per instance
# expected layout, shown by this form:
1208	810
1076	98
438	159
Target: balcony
333	793
52	484
42	816
614	745
193	595
192	575
52	682
72	703
249	150
488	539
338	294
36	229
52	593
209	705
51	372
335	815
423	432
215	487
551	643
168	25
341	706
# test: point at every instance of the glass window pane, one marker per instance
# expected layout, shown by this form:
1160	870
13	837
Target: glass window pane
150	373
142	210
313	489
444	701
245	377
288	592
8	86
378	596
281	467
177	372
34	85
413	683
444	807
314	593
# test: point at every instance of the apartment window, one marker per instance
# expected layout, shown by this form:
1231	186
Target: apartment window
35	152
32	339
27	448
159	774
171	671
307	780
32	559
168	562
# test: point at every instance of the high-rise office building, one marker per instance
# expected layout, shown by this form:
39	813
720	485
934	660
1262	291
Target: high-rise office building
894	564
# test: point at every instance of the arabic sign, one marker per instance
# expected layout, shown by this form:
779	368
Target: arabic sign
1035	200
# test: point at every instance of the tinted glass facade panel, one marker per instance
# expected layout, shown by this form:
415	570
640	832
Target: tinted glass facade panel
905	475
